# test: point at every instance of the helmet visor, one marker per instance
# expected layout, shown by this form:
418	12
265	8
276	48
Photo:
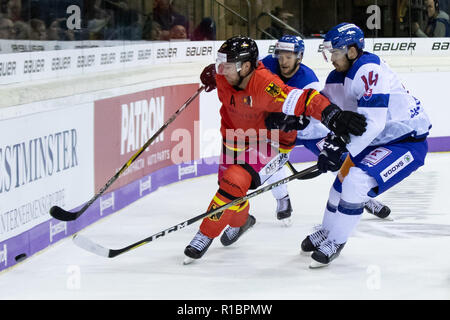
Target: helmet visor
332	54
223	67
284	47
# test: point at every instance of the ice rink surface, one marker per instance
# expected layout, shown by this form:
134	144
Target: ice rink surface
407	258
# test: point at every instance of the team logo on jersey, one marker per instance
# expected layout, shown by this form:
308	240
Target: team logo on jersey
273	90
376	156
248	101
368	94
215	216
397	166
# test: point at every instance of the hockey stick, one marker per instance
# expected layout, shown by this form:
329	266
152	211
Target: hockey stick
63	215
87	244
305	177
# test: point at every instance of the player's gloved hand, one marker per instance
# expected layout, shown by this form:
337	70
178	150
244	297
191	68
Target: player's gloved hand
282	121
330	156
208	77
343	122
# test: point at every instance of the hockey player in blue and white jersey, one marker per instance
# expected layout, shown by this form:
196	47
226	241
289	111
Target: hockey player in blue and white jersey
286	62
393	146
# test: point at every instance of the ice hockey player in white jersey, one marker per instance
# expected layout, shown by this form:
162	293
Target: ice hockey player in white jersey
393	146
286	62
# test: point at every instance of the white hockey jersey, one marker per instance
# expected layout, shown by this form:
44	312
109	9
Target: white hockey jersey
371	88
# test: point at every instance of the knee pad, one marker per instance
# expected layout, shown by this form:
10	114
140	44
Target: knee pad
235	182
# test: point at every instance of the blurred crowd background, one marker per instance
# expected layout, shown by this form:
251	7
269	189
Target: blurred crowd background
196	20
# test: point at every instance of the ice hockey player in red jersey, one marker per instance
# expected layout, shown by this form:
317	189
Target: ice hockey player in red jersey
251	153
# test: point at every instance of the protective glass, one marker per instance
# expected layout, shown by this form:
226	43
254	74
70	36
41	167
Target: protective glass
329	53
223	67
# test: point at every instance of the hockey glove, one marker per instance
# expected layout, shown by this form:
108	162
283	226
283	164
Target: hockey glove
281	121
343	122
330	156
208	77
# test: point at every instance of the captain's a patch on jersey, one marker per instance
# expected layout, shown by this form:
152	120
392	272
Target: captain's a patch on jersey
273	90
248	101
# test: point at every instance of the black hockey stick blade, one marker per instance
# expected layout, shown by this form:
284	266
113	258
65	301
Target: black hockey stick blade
88	245
310	175
63	215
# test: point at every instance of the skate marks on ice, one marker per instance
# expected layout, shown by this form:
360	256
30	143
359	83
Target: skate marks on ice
416	207
403	230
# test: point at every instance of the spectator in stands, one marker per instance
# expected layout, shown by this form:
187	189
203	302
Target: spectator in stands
23	30
151	29
178	32
206	30
7	30
38	30
276	29
166	16
14	10
58	31
438	22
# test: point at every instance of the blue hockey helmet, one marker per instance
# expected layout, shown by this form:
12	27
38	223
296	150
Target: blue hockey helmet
344	35
289	43
339	38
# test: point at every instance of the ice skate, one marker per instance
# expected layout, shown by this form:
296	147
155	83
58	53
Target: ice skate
327	252
284	211
313	241
231	235
197	248
377	208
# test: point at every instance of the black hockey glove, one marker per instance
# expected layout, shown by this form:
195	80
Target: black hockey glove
330	156
343	122
208	77
282	121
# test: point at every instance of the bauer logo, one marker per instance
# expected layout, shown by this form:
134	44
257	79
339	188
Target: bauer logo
106	202
182	171
107	58
4	255
397	166
126	56
145	54
33	66
61	63
162	53
394	46
440	46
57	228
7	68
26	47
199	51
85	61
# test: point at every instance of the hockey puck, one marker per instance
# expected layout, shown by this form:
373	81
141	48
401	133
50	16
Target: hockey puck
21	257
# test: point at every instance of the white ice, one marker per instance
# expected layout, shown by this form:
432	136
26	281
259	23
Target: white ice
408	258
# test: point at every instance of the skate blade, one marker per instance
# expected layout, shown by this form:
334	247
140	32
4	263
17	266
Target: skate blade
316	265
188	260
286	222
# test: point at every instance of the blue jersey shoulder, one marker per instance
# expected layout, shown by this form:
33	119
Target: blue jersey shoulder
335	77
303	77
271	63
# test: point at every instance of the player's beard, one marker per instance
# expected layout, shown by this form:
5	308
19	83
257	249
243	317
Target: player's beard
290	72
